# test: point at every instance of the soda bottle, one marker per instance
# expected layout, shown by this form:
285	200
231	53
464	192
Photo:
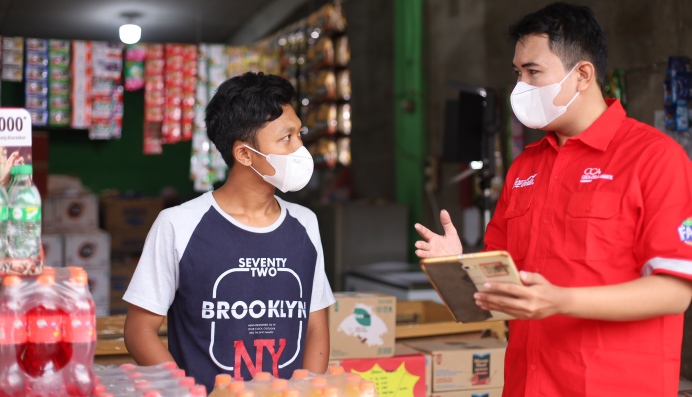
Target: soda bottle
198	391
367	388
44	333
300	374
352	386
24	229
277	386
79	337
236	387
317	384
330	391
12	338
246	393
221	383
4	220
290	392
261	383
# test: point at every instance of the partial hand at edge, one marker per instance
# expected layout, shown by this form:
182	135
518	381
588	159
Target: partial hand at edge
436	245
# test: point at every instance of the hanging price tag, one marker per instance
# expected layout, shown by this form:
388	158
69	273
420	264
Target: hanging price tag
15	127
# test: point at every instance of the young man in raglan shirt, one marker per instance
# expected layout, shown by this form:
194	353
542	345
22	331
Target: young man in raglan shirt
238	271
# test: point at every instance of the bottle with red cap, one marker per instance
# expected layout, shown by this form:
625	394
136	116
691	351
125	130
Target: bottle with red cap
44	333
12	338
79	336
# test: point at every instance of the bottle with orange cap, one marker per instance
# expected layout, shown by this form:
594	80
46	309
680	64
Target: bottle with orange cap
290	392
44	334
246	393
367	389
316	385
221	383
12	337
352	385
79	335
277	387
236	387
261	383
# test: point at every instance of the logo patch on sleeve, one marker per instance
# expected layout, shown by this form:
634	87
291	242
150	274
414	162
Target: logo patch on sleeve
685	231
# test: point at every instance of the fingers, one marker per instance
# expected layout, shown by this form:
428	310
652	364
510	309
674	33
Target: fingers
422	254
529	278
424	232
514	290
446	222
422	245
497	302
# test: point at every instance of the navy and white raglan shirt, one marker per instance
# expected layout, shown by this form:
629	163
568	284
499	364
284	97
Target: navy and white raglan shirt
238	298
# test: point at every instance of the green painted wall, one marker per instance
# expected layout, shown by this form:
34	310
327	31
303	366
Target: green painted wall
117	164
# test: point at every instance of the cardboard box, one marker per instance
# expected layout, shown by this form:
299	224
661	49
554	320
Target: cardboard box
53	250
404	374
122	270
128	242
130	216
470	393
362	325
100	288
66	213
88	249
401	349
464	365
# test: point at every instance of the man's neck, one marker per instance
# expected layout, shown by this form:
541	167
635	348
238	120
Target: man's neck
248	201
582	118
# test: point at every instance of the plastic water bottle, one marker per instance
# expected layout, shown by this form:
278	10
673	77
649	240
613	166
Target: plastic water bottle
12	338
79	337
25	216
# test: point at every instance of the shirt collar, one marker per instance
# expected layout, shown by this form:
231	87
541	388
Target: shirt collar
600	133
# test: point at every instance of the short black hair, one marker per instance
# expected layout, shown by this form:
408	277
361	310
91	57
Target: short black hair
241	106
573	32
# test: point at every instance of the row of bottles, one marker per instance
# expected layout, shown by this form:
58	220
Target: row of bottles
336	383
47	335
20	216
163	380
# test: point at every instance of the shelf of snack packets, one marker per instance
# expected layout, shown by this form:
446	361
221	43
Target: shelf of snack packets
389	343
79	84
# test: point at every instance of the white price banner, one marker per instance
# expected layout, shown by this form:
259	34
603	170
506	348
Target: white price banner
15	127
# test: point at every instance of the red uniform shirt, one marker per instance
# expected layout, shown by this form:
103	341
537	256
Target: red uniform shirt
611	205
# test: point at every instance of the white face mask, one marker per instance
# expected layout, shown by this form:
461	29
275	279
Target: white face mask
534	106
293	171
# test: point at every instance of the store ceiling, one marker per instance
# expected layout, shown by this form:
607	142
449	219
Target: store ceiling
185	21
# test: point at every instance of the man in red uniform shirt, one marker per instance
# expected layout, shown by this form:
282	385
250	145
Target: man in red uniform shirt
598	218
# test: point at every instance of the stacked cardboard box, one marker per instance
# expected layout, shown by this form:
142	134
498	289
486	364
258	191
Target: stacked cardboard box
71	237
464	367
128	220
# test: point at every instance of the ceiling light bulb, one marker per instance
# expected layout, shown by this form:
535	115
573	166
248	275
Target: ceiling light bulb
130	33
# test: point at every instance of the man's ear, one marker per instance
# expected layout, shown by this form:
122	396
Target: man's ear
241	154
586	73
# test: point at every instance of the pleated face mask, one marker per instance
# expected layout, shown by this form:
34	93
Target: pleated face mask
293	171
534	106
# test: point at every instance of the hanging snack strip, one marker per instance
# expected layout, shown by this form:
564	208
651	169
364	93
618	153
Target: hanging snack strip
107	91
189	90
82	74
59	83
134	66
199	161
36	100
12	59
171	129
154	98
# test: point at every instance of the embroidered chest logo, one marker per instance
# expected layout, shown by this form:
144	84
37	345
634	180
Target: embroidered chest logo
685	231
591	174
524	182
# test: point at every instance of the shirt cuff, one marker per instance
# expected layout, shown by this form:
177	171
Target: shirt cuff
674	267
145	304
